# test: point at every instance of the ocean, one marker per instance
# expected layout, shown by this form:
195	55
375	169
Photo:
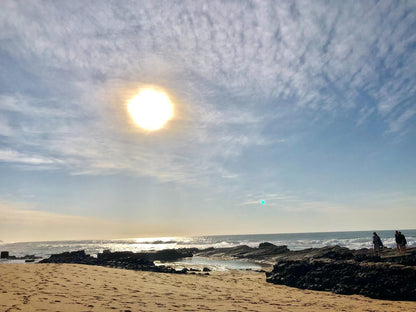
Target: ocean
294	241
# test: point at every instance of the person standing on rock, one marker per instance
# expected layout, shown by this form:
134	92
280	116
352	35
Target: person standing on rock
397	239
401	242
378	245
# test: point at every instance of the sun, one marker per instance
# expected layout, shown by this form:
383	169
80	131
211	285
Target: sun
150	109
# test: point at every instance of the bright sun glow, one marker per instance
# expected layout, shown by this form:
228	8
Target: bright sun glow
150	109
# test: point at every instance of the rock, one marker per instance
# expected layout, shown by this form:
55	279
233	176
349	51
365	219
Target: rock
161	255
377	280
263	252
266	245
172	254
78	257
336	253
27	258
206	269
123	260
107	255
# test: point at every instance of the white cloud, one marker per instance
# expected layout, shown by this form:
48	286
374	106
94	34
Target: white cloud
398	123
16	157
299	57
259	47
364	114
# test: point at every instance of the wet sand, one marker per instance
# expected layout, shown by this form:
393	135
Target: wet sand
73	287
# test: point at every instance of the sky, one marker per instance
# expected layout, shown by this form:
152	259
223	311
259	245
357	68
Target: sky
289	116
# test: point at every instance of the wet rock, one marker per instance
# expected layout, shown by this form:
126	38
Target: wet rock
173	254
161	255
335	253
107	255
78	257
122	260
266	245
27	258
380	280
264	251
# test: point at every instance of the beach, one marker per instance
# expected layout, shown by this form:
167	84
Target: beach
75	287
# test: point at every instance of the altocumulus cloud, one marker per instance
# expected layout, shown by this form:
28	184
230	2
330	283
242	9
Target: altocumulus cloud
236	67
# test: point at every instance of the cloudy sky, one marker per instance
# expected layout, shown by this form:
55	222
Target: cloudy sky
307	105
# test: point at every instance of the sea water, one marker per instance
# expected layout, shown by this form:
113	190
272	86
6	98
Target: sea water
294	241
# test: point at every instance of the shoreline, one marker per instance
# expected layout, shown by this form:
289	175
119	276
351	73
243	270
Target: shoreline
335	269
76	287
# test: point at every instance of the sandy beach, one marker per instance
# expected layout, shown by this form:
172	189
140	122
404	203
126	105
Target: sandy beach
73	287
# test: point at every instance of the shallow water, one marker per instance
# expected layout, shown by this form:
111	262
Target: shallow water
215	264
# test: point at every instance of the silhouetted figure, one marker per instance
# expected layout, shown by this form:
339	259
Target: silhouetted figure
396	238
378	245
400	242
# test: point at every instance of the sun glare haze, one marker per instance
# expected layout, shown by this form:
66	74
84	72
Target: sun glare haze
150	109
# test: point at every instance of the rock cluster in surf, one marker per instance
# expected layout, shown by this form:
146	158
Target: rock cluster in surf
343	271
143	261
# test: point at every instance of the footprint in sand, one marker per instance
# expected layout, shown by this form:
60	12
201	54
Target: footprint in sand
25	299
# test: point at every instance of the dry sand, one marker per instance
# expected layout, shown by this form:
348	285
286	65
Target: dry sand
73	287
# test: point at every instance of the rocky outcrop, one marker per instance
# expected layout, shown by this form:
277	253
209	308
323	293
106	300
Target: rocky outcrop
173	254
78	257
27	258
343	271
161	255
263	252
123	259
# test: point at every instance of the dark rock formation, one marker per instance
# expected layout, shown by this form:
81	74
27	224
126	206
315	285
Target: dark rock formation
161	255
263	252
79	257
27	258
174	254
267	245
348	272
122	259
